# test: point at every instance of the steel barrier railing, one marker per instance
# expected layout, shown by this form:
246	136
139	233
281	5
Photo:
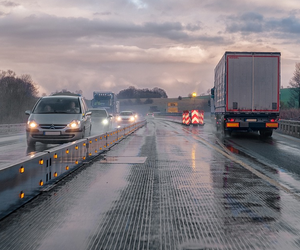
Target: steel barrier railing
23	180
289	127
12	128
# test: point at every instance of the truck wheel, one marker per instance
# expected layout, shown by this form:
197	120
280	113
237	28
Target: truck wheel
265	133
226	132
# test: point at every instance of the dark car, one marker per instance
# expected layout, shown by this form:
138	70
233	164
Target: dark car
58	119
101	120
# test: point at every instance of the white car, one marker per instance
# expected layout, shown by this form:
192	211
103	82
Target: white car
126	117
101	120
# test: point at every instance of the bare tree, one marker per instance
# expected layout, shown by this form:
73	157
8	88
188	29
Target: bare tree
16	95
295	84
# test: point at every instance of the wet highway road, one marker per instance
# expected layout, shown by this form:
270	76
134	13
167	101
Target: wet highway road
166	187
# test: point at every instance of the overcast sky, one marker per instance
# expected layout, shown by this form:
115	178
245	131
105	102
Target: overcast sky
109	45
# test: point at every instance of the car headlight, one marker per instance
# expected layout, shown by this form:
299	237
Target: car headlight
32	124
74	124
119	118
132	118
105	122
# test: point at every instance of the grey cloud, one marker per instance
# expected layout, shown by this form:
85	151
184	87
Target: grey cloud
49	28
248	22
255	22
286	25
193	27
9	4
107	13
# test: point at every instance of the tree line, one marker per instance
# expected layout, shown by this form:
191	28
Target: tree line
133	93
17	94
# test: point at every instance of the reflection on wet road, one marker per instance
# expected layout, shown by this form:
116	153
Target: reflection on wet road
167	187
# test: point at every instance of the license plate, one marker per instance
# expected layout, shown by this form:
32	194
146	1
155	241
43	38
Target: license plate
251	120
52	133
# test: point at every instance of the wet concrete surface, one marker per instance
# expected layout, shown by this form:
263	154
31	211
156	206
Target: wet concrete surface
171	187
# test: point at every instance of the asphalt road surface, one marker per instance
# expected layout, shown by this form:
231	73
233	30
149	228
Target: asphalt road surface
170	187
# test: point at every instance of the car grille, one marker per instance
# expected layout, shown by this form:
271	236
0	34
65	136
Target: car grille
53	126
53	137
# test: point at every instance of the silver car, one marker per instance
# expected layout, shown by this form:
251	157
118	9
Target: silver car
58	119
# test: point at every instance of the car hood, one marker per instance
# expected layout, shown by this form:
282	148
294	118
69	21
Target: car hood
54	118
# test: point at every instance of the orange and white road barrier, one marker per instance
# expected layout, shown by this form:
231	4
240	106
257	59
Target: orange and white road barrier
183	117
187	118
195	117
201	117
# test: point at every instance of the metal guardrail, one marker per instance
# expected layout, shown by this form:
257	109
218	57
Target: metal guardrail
23	180
12	128
289	127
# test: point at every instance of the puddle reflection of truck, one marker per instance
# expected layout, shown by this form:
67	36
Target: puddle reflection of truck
245	96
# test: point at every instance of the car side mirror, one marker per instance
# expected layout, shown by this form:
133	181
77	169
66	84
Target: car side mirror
88	113
27	112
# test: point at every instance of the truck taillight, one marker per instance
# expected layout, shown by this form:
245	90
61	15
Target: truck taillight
231	119
272	120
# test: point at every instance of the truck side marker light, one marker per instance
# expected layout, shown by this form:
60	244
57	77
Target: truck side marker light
67	167
76	162
41	183
83	157
55	174
84	144
76	147
67	151
41	161
100	148
55	156
90	141
101	138
21	195
96	151
22	170
96	139
90	154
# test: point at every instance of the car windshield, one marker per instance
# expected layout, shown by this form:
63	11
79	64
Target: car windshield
126	113
99	113
58	105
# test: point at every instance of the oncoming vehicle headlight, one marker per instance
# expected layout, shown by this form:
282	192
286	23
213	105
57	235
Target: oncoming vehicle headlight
119	118
132	118
74	124
32	124
105	121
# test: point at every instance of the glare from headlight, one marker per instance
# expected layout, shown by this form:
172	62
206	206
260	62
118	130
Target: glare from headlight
74	124
32	124
105	121
119	118
132	118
